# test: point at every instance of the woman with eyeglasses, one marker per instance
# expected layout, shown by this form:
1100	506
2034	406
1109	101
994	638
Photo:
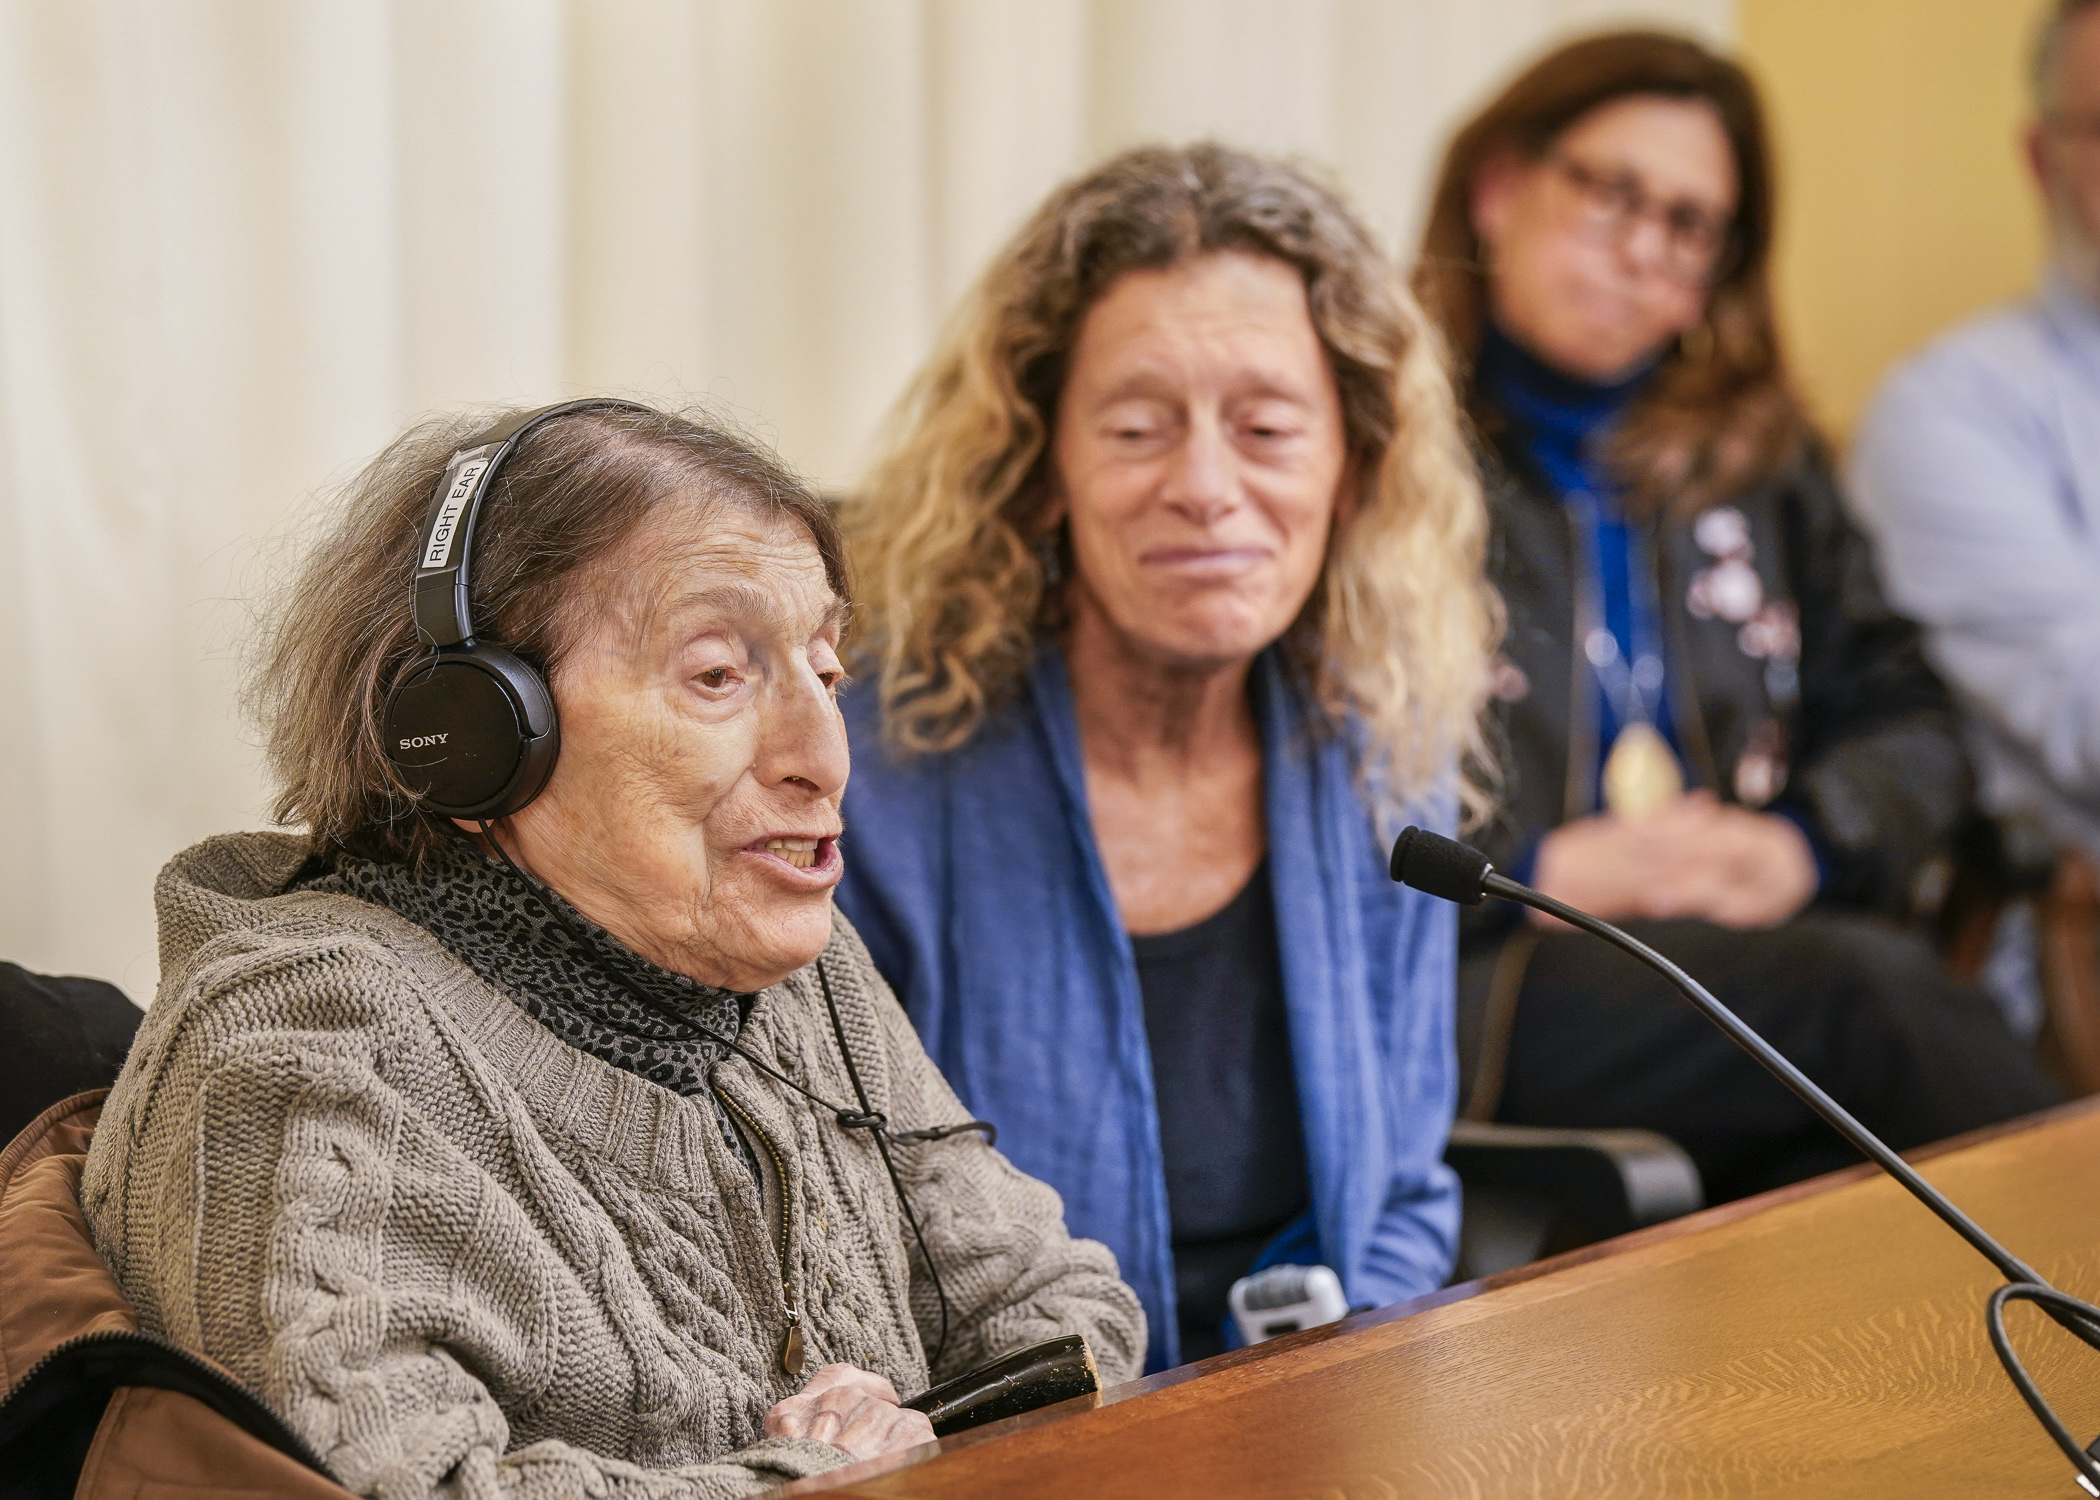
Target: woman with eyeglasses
1711	727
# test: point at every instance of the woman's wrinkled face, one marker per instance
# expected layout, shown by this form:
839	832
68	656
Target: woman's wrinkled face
694	812
1200	456
1599	253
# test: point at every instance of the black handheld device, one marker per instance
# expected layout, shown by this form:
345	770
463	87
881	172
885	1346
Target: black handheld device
1439	866
1038	1375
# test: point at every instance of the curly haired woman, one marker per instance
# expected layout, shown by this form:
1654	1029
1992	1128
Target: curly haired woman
1173	605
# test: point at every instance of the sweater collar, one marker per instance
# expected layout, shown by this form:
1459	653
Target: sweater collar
1547	399
1556	418
555	964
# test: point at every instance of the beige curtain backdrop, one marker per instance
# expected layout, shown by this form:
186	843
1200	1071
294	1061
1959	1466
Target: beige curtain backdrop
243	241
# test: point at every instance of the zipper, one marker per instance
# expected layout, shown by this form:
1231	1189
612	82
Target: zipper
1685	711
1579	767
791	1341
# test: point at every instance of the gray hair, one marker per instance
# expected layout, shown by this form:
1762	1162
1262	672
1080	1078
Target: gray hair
338	635
2044	77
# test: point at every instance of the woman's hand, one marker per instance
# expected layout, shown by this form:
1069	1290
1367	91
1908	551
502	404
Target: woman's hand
1697	857
852	1410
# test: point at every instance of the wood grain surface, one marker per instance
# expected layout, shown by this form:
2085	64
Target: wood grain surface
1824	1340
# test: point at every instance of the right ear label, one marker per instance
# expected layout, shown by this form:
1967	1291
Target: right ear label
439	550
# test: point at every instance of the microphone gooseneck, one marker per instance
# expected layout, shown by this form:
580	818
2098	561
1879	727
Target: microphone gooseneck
1444	867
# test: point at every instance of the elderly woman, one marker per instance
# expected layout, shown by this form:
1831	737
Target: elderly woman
1716	730
1173	605
527	1127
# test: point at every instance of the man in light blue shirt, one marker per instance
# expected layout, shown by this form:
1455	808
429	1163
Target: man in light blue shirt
1977	472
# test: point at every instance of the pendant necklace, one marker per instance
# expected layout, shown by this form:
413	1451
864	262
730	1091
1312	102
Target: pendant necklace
1641	772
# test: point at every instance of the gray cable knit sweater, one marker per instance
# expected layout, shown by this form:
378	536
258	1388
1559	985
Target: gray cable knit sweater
464	1258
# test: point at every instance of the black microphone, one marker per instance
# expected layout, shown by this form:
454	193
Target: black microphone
1439	866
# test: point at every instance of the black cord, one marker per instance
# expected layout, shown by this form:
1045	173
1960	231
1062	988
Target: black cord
2065	1306
864	1118
882	1147
985	1128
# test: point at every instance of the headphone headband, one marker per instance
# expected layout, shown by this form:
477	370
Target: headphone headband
443	617
471	728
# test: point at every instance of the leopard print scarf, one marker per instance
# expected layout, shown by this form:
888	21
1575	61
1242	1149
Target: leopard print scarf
501	927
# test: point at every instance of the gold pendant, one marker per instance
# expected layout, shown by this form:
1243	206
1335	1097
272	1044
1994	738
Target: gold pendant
1641	775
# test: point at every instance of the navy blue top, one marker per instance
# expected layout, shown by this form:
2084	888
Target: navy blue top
1229	1135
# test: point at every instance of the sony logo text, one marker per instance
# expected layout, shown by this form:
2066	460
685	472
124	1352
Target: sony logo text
422	740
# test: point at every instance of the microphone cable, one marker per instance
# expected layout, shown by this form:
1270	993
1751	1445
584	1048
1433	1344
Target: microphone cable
1456	872
864	1118
877	1127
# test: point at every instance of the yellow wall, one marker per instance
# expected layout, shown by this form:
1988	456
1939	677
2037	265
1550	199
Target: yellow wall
1905	205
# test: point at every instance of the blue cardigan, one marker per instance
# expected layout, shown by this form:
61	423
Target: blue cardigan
974	878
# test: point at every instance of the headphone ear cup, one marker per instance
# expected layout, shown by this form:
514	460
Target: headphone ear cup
473	732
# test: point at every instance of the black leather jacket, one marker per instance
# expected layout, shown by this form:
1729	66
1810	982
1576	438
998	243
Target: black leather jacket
1793	685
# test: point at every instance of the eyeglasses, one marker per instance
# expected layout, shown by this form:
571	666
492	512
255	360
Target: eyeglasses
1697	241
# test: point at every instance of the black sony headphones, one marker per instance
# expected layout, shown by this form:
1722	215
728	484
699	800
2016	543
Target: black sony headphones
471	729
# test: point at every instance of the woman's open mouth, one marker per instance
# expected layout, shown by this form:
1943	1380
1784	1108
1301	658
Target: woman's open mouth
818	856
801	853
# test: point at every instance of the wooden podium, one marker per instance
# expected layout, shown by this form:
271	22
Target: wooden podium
1823	1340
